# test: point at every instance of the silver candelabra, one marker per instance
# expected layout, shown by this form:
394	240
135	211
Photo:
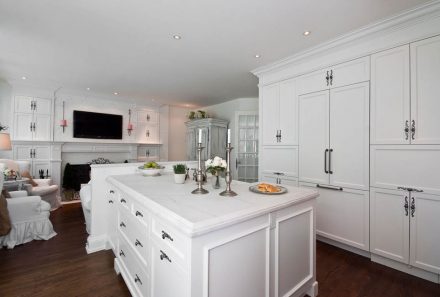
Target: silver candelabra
199	173
228	176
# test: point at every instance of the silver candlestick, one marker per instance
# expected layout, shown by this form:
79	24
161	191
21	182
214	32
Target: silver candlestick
199	173
228	175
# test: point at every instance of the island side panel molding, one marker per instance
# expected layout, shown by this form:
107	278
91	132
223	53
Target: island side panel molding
300	237
239	242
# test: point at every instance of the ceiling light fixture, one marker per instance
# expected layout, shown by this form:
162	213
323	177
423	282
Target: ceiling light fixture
257	56
88	89
23	77
306	33
116	93
177	37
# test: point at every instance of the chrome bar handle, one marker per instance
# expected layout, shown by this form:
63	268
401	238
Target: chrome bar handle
330	187
330	169
137	279
331	77
327	78
406	130
325	161
138	243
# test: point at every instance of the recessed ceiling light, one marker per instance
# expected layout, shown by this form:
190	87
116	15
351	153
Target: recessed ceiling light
257	56
23	77
306	33
115	93
177	37
88	89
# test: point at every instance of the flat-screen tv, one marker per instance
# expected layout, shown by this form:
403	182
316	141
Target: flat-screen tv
96	125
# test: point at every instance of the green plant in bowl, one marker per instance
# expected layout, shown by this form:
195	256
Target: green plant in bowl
151	165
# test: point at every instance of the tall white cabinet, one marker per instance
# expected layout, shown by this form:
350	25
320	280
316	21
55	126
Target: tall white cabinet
366	135
32	118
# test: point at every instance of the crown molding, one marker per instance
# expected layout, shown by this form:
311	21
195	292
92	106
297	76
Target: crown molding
402	20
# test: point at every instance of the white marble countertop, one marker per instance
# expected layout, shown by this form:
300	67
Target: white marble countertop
197	214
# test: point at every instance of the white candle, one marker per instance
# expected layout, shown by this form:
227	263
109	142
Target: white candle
200	135
229	135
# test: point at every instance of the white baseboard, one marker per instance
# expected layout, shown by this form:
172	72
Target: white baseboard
344	246
96	243
406	268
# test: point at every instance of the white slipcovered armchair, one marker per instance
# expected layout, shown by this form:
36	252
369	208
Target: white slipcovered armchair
86	202
44	188
29	218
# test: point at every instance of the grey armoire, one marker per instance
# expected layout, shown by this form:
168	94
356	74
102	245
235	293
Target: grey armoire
214	138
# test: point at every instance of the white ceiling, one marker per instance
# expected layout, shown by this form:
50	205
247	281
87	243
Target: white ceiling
127	45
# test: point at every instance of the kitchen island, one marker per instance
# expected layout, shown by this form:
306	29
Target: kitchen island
169	242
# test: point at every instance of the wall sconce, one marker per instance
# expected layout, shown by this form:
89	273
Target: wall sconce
63	122
130	125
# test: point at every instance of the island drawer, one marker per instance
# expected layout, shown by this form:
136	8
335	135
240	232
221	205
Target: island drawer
124	200
170	239
138	276
141	214
136	235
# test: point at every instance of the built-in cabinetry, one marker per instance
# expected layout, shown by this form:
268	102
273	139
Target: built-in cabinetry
32	118
148	153
147	130
279	133
269	254
213	140
368	124
403	101
38	155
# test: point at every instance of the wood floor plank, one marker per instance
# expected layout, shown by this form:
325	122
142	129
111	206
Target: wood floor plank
61	267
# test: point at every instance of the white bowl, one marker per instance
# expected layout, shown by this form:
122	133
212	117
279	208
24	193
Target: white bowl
150	171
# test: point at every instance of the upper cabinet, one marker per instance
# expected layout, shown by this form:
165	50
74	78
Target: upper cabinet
425	99
32	118
339	75
404	95
390	96
279	114
147	129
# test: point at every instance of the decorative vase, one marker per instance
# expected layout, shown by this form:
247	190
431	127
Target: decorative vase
179	178
216	181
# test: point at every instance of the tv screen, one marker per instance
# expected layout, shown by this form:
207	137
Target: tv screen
96	125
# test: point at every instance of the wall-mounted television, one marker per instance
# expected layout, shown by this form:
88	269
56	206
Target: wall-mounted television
96	125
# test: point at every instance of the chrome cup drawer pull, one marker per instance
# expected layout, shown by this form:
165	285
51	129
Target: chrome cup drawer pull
138	243
123	200
137	280
122	224
138	213
121	253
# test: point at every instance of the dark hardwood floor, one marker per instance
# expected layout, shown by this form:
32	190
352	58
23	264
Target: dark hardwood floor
61	267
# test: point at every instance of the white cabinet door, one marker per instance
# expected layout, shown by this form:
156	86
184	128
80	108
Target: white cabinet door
23	152
146	133
350	72
424	233
42	152
167	278
147	116
313	137
343	216
270	111
390	96
288	113
43	166
349	137
22	126
425	102
42	127
280	160
389	224
312	82
24	104
414	166
43	106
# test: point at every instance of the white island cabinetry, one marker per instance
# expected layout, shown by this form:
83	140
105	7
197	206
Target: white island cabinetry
173	243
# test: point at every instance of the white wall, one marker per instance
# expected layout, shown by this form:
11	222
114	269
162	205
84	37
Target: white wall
177	133
226	111
5	111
